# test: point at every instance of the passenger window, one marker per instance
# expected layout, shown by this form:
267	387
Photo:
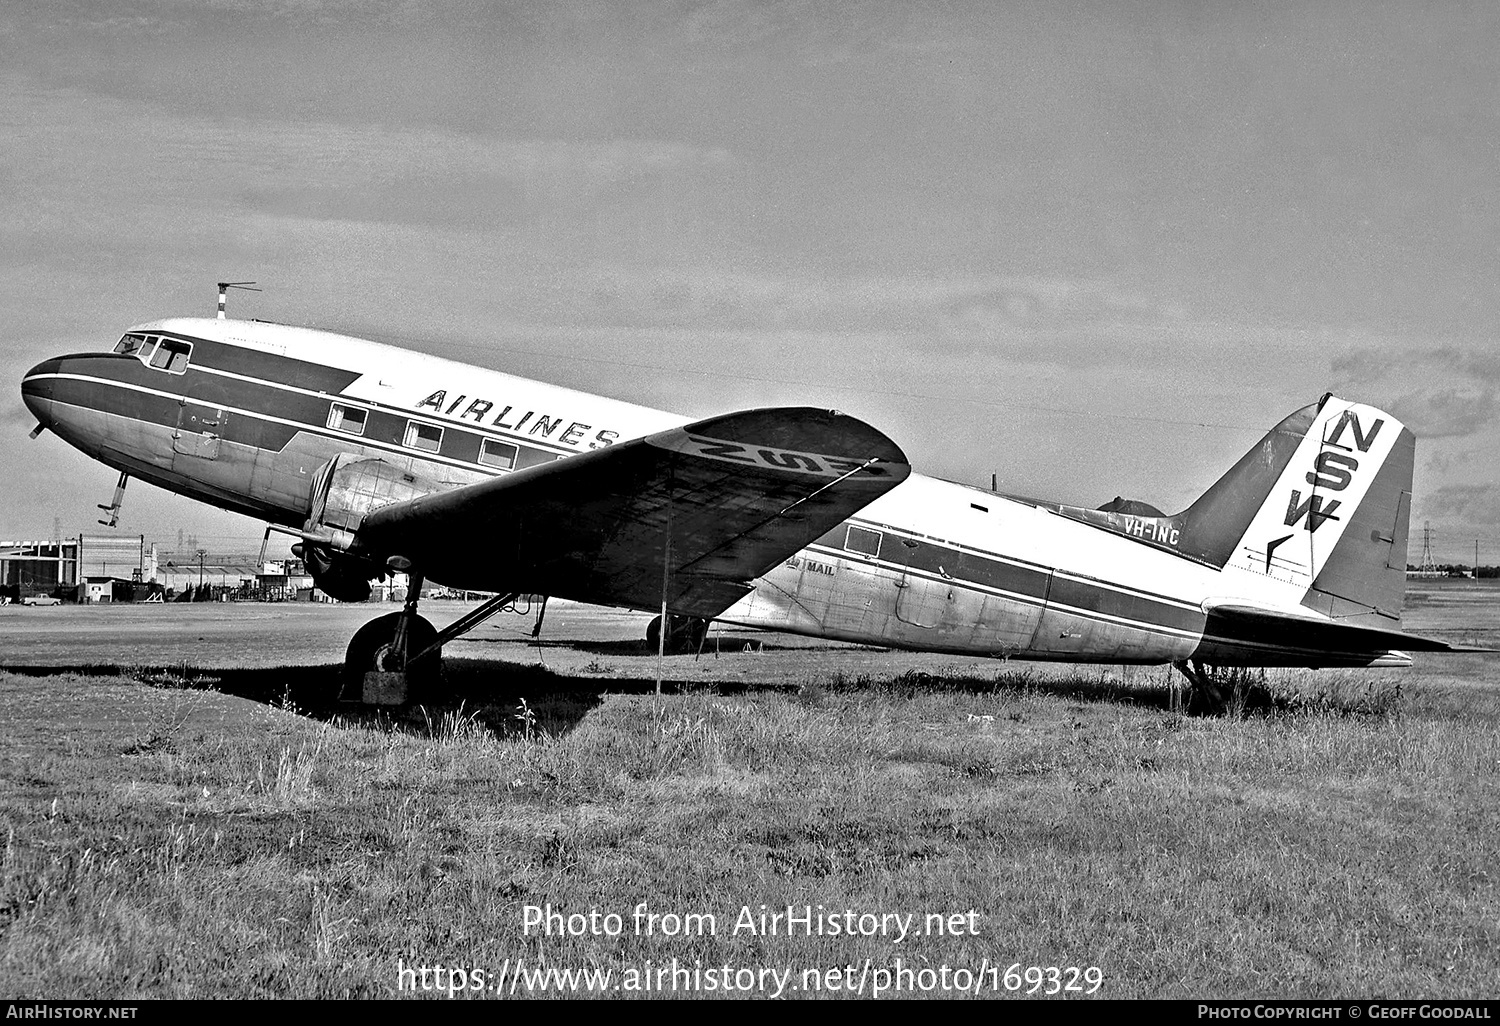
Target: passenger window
148	349
171	356
863	541
348	418
497	454
426	437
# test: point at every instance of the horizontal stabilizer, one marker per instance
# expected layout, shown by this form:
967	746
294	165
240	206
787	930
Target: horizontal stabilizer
1245	624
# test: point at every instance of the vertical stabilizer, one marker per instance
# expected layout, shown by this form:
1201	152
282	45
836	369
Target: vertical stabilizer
1330	534
1313	517
1212	528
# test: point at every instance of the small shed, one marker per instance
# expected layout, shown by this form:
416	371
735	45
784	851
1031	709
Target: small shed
96	589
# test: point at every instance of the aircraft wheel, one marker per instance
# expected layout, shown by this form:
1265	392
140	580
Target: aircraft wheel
694	630
685	635
370	649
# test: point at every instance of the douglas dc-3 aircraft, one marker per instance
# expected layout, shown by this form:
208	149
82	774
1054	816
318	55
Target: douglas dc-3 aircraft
791	519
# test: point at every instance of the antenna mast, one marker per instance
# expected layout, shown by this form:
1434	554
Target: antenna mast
225	286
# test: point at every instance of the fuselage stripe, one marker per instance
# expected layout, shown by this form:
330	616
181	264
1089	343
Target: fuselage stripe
1186	627
304	426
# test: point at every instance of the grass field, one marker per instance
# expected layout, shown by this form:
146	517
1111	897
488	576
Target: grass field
208	829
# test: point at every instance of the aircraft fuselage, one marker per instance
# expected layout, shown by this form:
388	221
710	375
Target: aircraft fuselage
243	414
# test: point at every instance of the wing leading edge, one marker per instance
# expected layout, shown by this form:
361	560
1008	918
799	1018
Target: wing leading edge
718	501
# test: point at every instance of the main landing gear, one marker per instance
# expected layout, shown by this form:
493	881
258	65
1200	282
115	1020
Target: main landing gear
685	634
1214	690
395	658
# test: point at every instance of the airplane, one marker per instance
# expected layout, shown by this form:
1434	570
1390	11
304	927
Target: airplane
380	459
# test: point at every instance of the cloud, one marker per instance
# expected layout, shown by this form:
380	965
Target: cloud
446	179
1465	503
74	139
157	15
959	311
1447	412
96	182
829	34
332	157
1440	392
1397	356
1462	462
999	309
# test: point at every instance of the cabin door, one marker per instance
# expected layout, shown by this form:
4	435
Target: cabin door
199	431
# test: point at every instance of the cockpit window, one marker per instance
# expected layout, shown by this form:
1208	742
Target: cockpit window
142	347
130	345
171	355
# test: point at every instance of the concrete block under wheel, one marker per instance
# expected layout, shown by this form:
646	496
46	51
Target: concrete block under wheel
384	688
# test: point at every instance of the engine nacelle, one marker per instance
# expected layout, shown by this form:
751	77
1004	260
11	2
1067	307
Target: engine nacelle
346	578
345	490
348	487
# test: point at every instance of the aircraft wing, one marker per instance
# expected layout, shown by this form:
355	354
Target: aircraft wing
719	502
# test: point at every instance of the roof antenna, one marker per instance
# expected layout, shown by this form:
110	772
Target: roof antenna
225	286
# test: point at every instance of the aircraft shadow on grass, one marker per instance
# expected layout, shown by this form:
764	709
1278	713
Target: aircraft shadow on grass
630	647
508	699
512	698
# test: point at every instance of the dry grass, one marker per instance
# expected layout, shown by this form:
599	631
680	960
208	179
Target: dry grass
164	839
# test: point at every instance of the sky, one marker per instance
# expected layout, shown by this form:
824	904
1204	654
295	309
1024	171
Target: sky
1094	249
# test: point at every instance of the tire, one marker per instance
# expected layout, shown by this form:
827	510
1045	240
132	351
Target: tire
369	647
685	636
690	634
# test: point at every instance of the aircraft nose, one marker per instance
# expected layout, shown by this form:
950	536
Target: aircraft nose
37	389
